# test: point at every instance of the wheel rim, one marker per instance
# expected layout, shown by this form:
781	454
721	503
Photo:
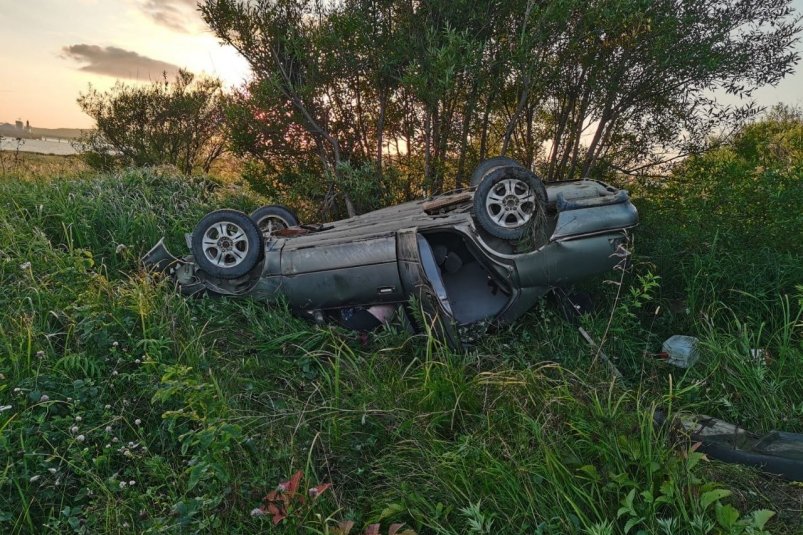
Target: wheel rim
225	244
268	225
510	203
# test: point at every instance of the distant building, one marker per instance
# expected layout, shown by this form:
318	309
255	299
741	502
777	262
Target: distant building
18	124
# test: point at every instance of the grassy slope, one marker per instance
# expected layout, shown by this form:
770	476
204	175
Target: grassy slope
128	408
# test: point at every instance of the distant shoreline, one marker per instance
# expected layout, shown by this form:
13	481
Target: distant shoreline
11	131
50	146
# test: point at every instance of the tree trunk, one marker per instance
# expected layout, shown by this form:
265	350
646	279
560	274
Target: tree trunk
529	151
467	114
380	132
428	149
436	148
484	129
561	127
312	125
514	118
592	148
578	130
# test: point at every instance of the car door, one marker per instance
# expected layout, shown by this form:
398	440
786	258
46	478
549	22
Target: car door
358	272
421	279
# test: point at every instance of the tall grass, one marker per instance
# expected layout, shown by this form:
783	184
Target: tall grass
128	408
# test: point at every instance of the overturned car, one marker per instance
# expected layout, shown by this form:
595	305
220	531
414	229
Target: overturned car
466	259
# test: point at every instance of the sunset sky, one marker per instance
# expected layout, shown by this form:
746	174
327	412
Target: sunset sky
51	50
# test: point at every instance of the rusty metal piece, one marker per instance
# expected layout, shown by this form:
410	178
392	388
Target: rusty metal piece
436	205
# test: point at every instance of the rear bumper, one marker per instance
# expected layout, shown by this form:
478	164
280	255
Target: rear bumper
588	207
600	219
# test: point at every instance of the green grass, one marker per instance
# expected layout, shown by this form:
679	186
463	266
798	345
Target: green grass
109	377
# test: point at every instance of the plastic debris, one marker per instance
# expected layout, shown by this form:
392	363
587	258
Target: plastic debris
680	350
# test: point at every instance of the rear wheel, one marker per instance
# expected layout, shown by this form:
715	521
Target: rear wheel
227	244
272	218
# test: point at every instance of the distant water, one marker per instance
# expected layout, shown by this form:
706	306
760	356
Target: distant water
45	146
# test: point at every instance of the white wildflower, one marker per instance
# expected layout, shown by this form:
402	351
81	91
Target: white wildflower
78	418
34	479
132	483
138	422
108	429
52	470
40	354
44	397
74	429
114	372
115	344
122	484
80	438
25	266
257	512
107	406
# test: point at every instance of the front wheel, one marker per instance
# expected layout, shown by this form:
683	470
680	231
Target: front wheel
272	218
508	201
487	165
227	244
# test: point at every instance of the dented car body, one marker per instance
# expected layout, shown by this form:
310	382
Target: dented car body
435	252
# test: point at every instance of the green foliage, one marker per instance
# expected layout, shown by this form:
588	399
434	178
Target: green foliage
129	408
746	193
572	88
177	123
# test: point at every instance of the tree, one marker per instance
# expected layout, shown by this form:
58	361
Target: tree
163	122
640	79
569	87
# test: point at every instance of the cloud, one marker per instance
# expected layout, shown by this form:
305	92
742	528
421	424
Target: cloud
117	62
178	15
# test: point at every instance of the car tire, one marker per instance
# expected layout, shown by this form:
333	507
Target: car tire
486	165
509	201
227	244
273	217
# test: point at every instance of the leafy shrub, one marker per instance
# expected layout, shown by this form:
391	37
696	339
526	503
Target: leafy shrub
177	123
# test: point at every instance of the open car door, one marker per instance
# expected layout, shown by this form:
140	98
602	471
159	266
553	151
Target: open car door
421	278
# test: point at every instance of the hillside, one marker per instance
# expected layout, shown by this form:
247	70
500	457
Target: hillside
127	408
